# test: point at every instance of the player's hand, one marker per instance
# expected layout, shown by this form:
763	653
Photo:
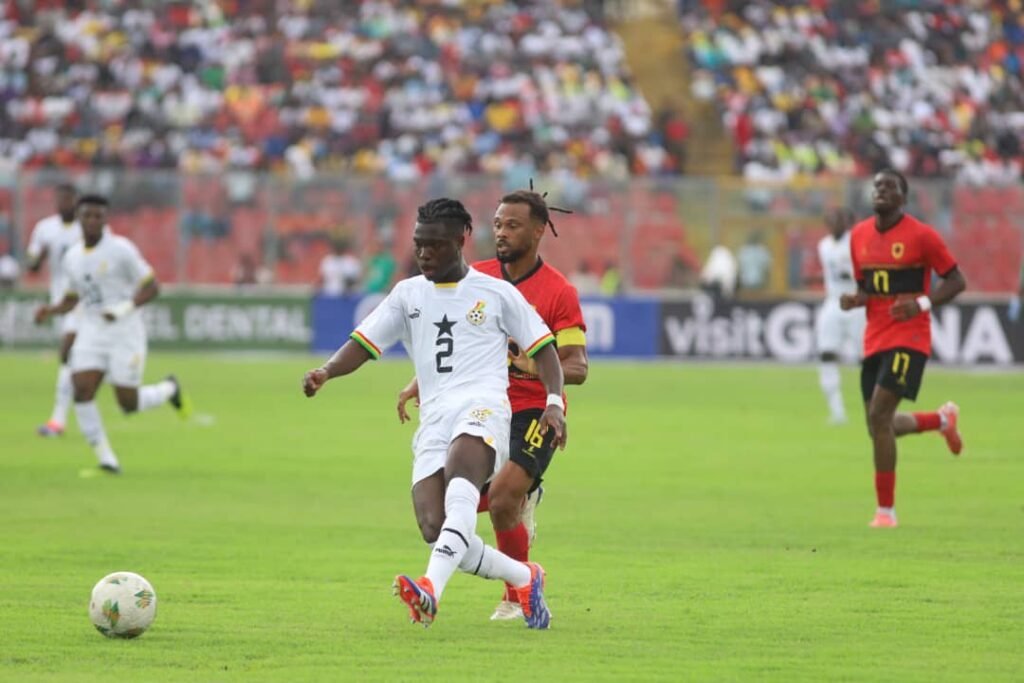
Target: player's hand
313	381
410	392
521	361
905	310
850	301
41	315
554	418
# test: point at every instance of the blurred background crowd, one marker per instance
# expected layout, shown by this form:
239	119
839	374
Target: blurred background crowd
252	140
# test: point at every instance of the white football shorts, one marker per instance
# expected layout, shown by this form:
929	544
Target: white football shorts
122	358
488	417
836	329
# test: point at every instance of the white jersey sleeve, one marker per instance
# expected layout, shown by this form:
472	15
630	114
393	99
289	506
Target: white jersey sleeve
71	277
133	264
386	325
37	241
522	323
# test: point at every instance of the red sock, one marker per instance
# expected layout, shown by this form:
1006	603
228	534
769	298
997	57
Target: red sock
885	488
516	544
484	505
927	422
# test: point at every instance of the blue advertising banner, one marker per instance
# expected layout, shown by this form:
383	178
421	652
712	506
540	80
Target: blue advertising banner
627	327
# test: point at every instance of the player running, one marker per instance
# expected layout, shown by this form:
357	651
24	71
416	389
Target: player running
456	323
520	222
51	238
893	256
835	327
110	278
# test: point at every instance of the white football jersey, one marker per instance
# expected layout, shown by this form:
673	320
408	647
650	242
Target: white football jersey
837	266
456	333
56	237
105	275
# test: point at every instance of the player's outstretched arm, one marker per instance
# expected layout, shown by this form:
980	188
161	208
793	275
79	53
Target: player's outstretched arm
550	370
410	392
345	360
65	305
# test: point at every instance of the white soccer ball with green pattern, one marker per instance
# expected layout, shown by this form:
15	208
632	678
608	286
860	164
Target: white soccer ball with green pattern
123	605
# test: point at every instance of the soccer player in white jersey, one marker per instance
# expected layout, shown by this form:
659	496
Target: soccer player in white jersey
50	240
456	323
836	328
108	276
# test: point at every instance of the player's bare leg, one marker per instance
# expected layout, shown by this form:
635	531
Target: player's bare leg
86	383
138	399
507	495
63	394
881	413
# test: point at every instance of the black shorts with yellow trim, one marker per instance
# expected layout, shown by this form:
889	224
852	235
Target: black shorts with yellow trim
528	448
899	370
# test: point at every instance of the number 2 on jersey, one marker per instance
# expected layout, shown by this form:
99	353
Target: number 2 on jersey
448	345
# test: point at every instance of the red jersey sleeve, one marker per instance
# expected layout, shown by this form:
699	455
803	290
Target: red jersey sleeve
936	253
567	311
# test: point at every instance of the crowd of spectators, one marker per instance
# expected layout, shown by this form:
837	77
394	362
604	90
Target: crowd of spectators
395	87
932	87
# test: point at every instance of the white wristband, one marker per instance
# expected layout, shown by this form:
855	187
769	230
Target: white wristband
924	303
556	400
120	310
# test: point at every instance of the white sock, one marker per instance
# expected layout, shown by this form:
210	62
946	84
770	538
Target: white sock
153	395
91	424
887	511
829	378
460	502
486	562
62	397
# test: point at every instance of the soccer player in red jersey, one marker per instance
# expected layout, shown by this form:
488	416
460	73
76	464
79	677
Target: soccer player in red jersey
894	255
520	222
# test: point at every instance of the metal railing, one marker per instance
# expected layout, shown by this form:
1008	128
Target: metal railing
196	230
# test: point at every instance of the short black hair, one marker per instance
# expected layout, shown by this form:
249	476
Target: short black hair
539	209
904	185
450	212
538	206
66	187
93	199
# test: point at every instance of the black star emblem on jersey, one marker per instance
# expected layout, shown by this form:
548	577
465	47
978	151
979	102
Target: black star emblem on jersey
445	327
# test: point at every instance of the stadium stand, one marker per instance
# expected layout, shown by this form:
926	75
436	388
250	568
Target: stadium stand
813	87
394	87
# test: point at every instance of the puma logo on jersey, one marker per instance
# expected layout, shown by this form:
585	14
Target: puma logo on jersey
415	314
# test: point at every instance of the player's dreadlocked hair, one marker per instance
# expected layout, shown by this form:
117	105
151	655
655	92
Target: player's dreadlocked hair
904	185
451	212
539	209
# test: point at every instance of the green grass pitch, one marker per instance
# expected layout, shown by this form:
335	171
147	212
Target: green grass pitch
704	524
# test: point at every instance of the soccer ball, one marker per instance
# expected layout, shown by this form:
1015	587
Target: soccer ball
123	605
